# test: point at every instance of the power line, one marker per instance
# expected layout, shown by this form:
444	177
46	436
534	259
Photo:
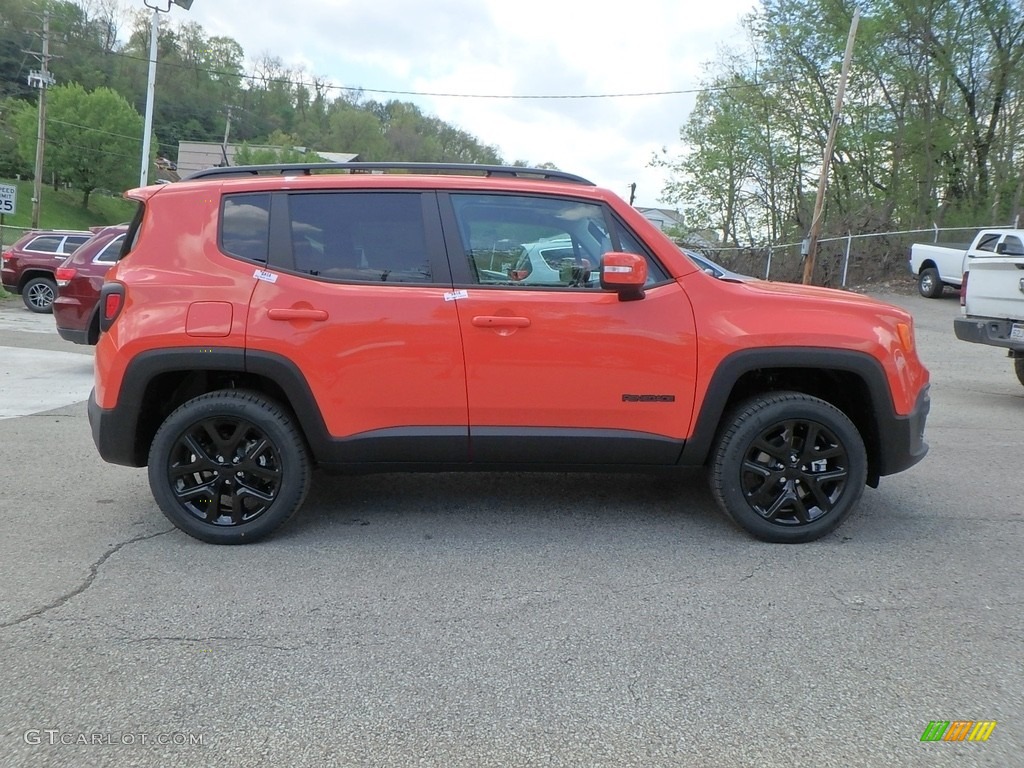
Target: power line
62	144
442	94
95	130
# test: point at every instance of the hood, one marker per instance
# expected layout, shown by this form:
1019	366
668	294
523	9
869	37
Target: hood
813	292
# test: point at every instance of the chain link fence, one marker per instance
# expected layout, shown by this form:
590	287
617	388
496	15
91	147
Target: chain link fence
851	259
9	235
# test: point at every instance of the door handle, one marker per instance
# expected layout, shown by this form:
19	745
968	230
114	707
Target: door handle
497	321
279	313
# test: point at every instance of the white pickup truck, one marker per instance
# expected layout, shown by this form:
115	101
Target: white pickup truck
992	296
936	266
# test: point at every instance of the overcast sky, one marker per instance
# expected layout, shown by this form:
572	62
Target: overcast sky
508	48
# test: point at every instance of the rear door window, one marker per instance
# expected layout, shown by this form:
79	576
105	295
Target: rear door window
372	237
988	243
1012	246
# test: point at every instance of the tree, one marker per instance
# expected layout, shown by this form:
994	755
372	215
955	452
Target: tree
285	150
93	139
930	125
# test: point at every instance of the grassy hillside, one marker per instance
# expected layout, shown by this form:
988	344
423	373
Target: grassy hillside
63	210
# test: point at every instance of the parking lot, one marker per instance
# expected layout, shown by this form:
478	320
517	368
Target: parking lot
506	620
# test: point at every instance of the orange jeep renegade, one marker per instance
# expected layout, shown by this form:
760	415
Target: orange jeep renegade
369	317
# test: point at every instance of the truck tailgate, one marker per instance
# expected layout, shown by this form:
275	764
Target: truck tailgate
996	287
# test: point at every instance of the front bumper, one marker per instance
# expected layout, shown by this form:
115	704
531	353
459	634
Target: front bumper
901	441
987	330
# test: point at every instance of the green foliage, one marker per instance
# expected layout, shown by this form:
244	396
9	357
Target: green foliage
92	139
102	44
62	209
286	152
930	121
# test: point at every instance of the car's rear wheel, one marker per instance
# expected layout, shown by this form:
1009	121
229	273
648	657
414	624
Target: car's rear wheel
229	467
788	467
1018	367
39	293
929	284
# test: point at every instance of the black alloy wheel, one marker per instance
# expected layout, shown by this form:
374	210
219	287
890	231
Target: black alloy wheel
789	467
229	467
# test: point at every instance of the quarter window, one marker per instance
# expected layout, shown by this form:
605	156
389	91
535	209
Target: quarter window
111	251
245	226
73	242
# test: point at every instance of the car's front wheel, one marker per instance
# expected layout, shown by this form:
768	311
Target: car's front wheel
39	293
229	467
788	467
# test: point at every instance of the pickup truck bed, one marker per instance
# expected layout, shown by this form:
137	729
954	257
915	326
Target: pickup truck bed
936	266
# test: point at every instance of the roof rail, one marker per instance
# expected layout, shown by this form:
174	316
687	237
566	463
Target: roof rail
462	169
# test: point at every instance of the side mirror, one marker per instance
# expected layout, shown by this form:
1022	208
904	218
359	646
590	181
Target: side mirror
624	273
1001	249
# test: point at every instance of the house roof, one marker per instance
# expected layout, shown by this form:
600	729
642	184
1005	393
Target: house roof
196	155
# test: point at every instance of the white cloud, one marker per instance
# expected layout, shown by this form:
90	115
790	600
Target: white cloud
496	47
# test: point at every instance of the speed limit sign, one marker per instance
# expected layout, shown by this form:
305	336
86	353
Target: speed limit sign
8	198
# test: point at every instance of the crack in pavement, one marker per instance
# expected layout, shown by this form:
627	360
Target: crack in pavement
245	641
93	572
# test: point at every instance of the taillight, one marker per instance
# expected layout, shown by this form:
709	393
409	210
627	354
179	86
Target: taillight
64	275
111	304
963	290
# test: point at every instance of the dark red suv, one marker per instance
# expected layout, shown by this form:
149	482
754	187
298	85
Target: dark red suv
79	280
29	264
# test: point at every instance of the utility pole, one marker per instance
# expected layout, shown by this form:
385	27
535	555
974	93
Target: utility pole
41	79
154	34
819	202
227	132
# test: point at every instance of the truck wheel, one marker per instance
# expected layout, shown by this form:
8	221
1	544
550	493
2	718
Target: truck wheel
38	294
1018	367
229	467
788	467
929	284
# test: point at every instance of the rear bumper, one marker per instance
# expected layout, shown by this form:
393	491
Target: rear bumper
987	330
73	334
902	443
112	432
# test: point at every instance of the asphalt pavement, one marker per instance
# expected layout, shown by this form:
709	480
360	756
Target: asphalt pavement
509	620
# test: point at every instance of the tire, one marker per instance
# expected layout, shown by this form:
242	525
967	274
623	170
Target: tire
929	284
763	474
38	294
1018	367
92	336
229	467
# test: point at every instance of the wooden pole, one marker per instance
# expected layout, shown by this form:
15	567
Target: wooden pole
819	202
